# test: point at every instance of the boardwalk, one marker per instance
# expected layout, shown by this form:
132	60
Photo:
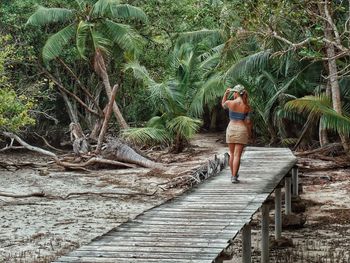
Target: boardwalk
196	226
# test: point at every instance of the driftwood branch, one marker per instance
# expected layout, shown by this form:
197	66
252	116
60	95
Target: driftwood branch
70	195
47	143
35	194
28	146
95	160
322	150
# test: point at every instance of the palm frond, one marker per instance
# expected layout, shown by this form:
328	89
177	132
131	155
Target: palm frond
255	62
215	36
184	126
213	51
140	72
43	16
100	42
83	31
276	96
128	11
146	135
157	122
123	35
101	7
208	93
56	43
166	96
321	107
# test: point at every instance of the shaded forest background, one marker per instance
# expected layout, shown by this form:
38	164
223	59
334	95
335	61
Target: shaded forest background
170	62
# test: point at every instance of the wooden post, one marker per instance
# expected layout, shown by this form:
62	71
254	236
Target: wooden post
288	196
278	213
247	244
265	234
295	181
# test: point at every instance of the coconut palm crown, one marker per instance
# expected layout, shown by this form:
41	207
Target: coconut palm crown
93	25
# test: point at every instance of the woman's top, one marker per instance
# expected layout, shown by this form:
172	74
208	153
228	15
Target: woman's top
234	116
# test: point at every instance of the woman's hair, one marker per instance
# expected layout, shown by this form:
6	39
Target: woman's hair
244	96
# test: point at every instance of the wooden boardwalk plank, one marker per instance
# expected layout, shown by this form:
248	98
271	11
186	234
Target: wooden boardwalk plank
196	226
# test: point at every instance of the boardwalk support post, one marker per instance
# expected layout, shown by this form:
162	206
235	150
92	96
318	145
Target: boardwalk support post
278	214
247	244
265	234
288	195
295	181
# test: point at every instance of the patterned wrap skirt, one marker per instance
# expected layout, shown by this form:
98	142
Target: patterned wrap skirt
236	133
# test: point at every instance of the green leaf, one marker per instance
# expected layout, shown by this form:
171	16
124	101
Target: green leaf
207	94
100	42
254	62
123	35
184	126
146	135
83	31
56	43
140	72
101	7
197	36
321	107
43	16
127	11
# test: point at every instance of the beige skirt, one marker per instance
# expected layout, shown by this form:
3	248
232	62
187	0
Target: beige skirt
236	133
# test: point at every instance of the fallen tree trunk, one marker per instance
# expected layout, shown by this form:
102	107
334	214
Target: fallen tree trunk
117	154
115	149
28	146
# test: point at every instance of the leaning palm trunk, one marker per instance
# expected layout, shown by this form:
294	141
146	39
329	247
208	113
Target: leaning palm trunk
100	69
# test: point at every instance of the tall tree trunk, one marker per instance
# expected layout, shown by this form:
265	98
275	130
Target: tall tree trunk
101	70
322	132
333	81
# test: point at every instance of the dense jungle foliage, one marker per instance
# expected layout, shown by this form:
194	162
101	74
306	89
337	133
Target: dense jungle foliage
172	62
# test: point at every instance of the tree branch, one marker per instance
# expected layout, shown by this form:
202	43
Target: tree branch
62	88
28	146
81	85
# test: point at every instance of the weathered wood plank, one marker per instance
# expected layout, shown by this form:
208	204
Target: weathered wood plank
131	254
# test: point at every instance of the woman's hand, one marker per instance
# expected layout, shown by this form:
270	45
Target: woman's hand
228	90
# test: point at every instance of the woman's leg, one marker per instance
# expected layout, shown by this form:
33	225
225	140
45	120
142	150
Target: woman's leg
238	149
231	147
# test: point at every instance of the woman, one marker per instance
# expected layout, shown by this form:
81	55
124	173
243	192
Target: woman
240	126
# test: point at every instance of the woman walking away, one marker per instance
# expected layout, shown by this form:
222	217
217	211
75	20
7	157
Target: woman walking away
239	129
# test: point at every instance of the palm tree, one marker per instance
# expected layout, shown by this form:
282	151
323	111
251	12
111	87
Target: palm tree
176	120
96	28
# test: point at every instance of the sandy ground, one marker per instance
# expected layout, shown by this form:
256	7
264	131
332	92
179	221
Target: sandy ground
39	229
325	237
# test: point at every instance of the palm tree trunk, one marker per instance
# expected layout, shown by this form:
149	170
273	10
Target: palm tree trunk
100	69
